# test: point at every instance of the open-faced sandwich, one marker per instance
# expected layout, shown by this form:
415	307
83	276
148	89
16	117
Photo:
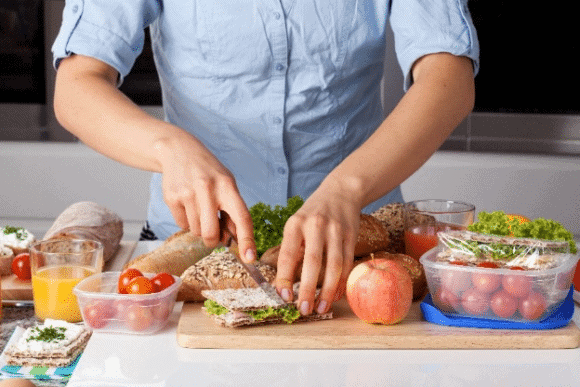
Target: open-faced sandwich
55	343
253	306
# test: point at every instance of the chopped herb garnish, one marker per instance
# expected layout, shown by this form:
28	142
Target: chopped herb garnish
20	232
48	334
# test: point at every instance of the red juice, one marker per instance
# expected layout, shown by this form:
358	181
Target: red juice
422	238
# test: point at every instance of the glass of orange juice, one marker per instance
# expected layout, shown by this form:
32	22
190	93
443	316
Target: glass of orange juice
425	218
57	265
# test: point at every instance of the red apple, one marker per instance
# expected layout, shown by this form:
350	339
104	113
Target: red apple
380	291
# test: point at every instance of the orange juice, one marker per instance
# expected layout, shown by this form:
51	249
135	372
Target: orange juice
52	289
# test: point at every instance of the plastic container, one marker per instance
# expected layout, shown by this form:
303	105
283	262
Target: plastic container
105	310
497	293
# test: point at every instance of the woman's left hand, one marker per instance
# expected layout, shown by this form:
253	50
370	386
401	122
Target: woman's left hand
323	230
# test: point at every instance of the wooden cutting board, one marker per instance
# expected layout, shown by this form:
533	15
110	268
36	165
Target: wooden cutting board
14	289
346	331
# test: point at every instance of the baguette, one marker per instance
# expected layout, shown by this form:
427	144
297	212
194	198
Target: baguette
88	220
219	270
174	256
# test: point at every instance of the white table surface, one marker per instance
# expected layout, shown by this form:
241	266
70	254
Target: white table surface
156	360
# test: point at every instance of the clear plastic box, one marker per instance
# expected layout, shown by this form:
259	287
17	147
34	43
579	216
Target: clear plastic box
105	310
497	293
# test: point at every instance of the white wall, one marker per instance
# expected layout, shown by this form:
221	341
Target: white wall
39	180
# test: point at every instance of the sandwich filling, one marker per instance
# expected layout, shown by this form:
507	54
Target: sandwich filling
288	313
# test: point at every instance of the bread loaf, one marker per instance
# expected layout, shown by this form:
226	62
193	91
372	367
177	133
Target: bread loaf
413	266
88	220
174	256
219	270
372	236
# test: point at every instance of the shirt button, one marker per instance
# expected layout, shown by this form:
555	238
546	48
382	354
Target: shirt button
279	67
75	8
281	171
277	15
277	120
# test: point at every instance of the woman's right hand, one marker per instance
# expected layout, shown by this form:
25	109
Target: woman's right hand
197	187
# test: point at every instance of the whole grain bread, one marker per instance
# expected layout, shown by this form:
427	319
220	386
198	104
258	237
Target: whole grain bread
178	252
89	220
247	299
218	270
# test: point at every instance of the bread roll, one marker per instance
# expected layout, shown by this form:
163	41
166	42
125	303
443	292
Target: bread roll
372	236
6	258
219	270
413	266
174	256
88	220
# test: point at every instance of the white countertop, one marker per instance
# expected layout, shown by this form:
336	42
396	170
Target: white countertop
156	360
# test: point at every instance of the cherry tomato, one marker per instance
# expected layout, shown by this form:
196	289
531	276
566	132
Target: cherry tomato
140	285
486	283
126	276
517	285
162	281
517	268
120	307
458	263
503	304
97	314
489	265
455	280
138	317
446	300
475	302
533	306
161	311
21	266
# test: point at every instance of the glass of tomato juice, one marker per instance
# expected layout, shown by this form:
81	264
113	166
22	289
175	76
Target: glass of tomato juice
57	265
425	218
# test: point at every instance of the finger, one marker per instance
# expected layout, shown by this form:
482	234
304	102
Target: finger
334	269
239	222
209	221
192	214
313	255
290	256
179	215
348	263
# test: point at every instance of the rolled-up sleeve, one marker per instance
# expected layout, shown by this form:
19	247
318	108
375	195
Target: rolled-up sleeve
424	27
111	31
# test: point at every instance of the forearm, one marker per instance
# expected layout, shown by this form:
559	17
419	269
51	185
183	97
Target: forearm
89	105
441	96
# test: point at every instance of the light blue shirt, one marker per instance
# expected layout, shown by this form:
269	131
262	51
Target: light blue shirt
281	91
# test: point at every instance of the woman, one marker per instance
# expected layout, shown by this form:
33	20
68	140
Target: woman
264	100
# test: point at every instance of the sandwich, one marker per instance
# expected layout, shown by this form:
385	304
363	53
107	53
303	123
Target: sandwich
504	251
234	308
54	343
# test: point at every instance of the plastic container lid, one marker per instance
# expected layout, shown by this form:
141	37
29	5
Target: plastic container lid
560	317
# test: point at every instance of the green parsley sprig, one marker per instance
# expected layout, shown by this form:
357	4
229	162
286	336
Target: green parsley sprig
269	222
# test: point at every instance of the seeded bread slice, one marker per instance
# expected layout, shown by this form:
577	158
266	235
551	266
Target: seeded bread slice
219	270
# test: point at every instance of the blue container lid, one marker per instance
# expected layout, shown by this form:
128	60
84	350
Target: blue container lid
560	317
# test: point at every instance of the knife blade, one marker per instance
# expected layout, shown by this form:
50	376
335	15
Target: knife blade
254	272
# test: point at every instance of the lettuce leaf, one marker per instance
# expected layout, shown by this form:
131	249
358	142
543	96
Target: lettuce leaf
288	313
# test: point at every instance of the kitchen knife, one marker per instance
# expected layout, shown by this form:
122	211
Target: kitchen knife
254	272
230	241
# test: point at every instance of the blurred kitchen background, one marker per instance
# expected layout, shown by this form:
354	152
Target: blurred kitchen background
518	151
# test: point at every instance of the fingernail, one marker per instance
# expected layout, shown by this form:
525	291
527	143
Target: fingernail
321	307
250	255
304	308
285	294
